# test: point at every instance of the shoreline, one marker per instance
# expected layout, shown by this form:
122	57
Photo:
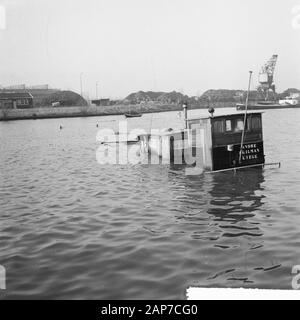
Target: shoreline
77	112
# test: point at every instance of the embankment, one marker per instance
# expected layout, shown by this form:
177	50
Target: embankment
91	111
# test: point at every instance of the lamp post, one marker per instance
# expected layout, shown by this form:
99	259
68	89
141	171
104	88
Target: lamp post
97	90
81	88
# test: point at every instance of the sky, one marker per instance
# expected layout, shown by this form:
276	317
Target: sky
162	45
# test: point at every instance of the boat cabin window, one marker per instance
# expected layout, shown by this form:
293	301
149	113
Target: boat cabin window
236	125
218	126
256	123
239	125
228	125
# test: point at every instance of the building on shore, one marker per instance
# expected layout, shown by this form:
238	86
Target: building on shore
101	102
15	100
38	97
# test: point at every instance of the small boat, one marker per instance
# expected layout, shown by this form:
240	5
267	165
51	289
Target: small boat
118	138
132	114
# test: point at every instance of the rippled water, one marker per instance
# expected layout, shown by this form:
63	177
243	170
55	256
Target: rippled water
71	228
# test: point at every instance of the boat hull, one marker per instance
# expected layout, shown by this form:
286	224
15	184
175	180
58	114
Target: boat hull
128	115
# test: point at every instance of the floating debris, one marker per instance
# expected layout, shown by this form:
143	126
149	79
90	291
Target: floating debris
272	268
220	274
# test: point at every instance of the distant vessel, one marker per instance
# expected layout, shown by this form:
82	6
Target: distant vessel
288	102
266	85
292	100
132	114
282	104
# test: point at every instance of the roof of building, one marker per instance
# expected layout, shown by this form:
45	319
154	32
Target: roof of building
100	100
7	95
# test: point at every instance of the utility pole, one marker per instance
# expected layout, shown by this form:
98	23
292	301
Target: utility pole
97	90
81	88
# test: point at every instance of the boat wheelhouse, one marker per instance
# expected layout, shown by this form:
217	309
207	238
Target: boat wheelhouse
212	143
225	140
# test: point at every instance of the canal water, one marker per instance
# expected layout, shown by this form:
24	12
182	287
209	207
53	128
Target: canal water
72	228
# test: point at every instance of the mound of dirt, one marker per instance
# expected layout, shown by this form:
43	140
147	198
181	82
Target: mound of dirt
64	98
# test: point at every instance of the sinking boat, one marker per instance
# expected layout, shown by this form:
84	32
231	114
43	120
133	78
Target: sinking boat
213	143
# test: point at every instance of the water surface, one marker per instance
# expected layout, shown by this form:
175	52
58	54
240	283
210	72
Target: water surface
71	228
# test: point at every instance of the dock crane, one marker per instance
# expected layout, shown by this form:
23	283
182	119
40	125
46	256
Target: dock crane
266	77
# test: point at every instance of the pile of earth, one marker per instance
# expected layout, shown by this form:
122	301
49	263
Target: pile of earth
64	98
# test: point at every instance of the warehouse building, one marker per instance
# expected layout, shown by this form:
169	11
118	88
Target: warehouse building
15	100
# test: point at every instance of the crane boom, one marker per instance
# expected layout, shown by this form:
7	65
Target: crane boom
266	77
269	67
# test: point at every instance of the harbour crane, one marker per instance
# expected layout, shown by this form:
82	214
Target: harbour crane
266	77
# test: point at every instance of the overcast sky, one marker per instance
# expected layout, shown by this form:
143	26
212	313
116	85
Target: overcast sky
163	45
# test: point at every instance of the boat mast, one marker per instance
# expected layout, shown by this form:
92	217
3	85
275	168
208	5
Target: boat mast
245	117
